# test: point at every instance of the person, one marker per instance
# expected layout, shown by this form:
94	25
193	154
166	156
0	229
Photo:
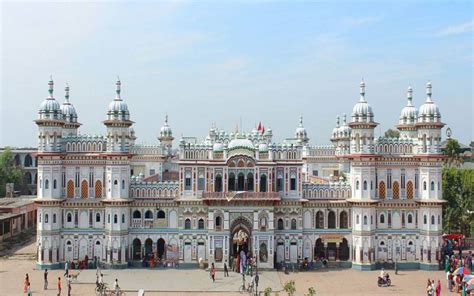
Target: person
429	290
450	281
116	286
69	288
383	274
226	271
396	267
46	279
59	286
257	277
66	269
28	290
213	272
26	283
438	288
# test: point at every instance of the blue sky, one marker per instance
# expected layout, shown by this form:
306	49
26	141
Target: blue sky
204	62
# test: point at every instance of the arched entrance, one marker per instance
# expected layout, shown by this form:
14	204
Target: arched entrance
319	249
240	238
137	249
161	249
148	247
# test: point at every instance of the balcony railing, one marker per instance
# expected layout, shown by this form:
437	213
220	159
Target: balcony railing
241	195
136	223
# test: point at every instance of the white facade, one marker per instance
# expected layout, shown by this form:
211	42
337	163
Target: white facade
357	202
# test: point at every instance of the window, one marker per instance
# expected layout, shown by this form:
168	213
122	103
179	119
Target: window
263	224
425	219
201	182
108	218
365	220
148	214
424	185
123	184
69	217
161	214
432	186
389	179
331	220
187	184
357	219
187	224
55	184
115	219
201	224
382	219
389	219
357	185
46	184
365	185
279	185
54	218
152	172
319	220
416	179
293	183
280	224
263	183
218	183
343	220
432	220
46	218
115	182
410	218
39	218
315	173
123	218
439	219
293	224
137	214
218	223
402	185
97	217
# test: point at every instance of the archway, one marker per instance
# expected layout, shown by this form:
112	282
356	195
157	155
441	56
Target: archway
161	249
343	250
240	238
137	249
148	247
319	249
240	182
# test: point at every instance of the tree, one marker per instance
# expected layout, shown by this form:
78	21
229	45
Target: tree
311	292
391	133
453	152
9	172
290	288
458	191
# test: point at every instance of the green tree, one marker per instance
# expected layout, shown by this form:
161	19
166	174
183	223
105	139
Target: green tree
458	191
9	172
267	291
392	133
453	153
290	288
311	292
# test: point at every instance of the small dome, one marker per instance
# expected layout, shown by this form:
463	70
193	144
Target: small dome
262	147
344	130
118	109
67	109
50	108
218	147
240	143
362	111
409	112
335	131
300	132
429	111
165	130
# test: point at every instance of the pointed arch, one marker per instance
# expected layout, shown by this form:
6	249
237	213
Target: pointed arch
382	190
70	189
98	189
396	190
410	190
84	189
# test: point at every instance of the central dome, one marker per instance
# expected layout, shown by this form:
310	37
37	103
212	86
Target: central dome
241	143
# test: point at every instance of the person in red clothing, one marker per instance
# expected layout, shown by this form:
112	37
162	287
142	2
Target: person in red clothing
213	272
59	286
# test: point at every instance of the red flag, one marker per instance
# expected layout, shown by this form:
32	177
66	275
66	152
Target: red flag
263	129
259	128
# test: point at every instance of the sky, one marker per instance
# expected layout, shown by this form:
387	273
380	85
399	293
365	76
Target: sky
227	62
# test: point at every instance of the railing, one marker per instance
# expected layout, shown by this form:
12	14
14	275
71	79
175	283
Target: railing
136	223
240	195
148	223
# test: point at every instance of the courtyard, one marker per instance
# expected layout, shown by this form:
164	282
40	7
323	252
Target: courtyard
197	282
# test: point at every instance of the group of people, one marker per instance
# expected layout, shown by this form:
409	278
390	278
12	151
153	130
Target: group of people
433	289
455	280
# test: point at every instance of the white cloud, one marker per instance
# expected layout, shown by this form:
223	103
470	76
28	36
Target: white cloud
457	29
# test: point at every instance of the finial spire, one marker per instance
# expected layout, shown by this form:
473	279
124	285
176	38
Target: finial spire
428	91
344	119
362	90
51	86
301	120
337	121
410	95
166	118
67	92
118	85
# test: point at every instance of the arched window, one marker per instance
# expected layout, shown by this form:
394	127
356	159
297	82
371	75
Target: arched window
263	183
231	185
439	219
55	184
201	224
365	220
123	218
115	182
46	184
425	219
97	217
382	218
357	185
115	219
46	218
396	190
69	217
410	190
218	223
263	224
137	214
365	185
410	218
432	186
331	220
187	224
319	220
432	220
249	182
293	224
161	214
240	182
218	183
357	219
84	189
424	185
148	214
123	184
343	220
108	218
280	224
54	218
70	189
28	161
381	190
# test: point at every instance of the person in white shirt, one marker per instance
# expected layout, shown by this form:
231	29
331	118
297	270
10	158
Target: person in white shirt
116	286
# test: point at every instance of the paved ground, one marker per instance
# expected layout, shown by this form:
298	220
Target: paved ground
189	282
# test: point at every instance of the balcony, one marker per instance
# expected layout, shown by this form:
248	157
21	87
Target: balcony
233	195
137	223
